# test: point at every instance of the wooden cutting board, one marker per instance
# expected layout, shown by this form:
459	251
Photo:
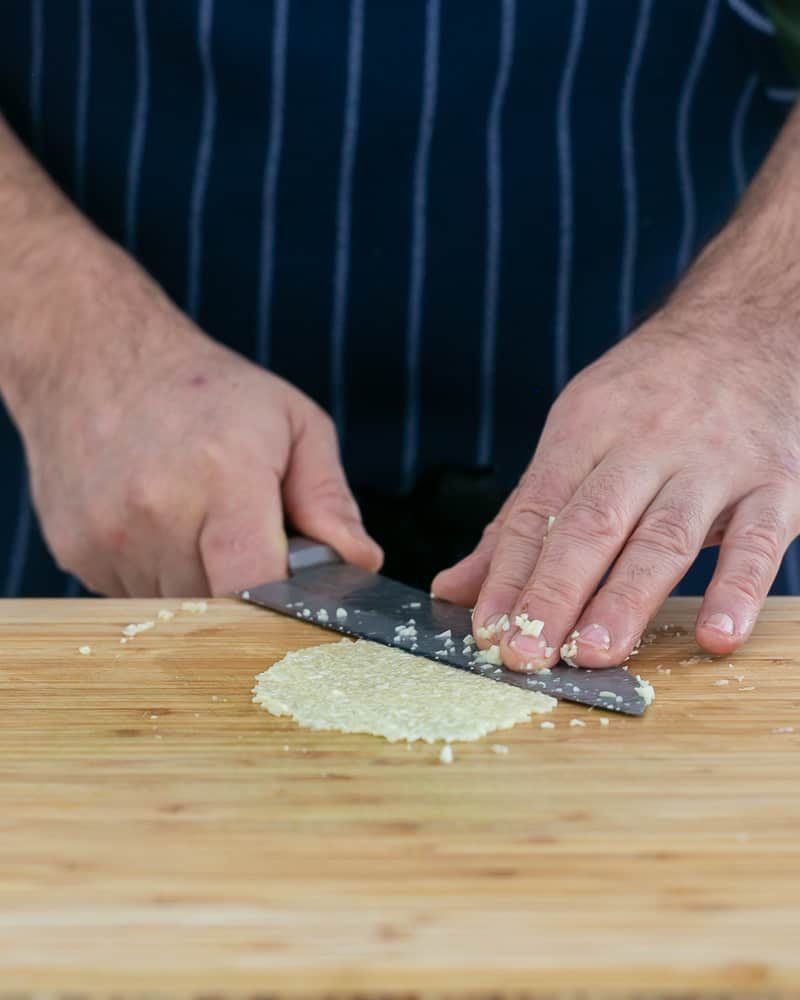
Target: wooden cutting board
158	831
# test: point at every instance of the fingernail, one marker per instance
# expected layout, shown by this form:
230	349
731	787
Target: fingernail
494	627
596	636
721	622
530	648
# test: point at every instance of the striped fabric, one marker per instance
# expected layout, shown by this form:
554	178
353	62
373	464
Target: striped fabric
440	210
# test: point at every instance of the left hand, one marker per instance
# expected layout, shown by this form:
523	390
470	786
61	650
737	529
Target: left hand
684	435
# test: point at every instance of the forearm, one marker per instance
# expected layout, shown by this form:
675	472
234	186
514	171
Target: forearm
747	279
42	238
71	301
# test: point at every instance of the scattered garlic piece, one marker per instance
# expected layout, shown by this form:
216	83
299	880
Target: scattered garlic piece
164	615
195	607
446	756
528	627
646	691
84	650
131	630
490	655
568	651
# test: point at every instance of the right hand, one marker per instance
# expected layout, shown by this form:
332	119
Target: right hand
162	463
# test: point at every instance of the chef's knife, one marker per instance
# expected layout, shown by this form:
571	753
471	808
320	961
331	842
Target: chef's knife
323	590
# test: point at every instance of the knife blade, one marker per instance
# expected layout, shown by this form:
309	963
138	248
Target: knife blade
323	590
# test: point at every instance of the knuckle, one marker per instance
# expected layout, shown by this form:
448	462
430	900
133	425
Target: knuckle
747	582
552	591
592	517
503	584
763	538
669	532
143	496
524	526
107	531
542	491
331	493
213	455
628	598
577	398
330	489
782	465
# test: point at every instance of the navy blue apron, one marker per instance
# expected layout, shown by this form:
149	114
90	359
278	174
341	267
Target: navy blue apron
428	215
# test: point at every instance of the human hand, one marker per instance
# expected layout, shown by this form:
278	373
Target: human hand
162	463
684	435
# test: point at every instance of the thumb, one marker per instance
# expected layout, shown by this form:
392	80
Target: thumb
317	499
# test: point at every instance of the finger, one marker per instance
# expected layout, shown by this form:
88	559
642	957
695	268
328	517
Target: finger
132	538
583	543
242	541
749	559
543	491
318	500
135	568
657	555
461	583
70	549
181	572
104	582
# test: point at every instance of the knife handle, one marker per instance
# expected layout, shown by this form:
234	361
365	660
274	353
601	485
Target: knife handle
304	553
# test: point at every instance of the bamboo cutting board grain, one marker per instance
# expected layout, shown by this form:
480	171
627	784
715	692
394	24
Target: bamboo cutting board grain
160	832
